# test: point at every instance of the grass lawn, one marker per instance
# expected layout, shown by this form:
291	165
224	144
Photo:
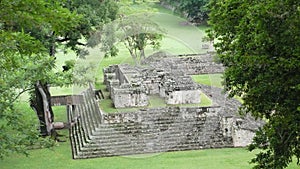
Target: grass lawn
60	158
209	79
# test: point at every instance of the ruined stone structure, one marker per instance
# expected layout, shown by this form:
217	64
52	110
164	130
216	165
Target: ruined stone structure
185	64
130	86
123	83
167	76
97	134
153	130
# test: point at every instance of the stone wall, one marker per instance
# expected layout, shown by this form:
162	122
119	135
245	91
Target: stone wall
183	97
151	79
110	77
242	137
179	90
185	65
154	130
66	100
129	97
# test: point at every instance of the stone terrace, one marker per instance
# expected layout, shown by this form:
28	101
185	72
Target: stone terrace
185	64
97	134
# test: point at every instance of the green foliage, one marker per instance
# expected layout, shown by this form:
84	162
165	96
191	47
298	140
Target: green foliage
95	14
138	32
24	60
135	31
259	43
196	10
18	130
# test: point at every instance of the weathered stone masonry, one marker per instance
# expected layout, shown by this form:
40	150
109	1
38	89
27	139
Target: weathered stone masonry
168	76
130	86
97	134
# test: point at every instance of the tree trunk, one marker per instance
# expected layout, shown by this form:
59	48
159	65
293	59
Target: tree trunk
41	99
52	47
142	55
134	56
41	104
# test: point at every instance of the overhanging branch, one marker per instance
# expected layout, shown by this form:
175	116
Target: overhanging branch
19	94
68	39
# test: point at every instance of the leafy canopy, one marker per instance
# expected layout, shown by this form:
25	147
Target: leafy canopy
259	43
136	32
24	60
195	10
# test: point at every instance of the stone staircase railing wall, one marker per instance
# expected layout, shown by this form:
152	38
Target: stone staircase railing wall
89	118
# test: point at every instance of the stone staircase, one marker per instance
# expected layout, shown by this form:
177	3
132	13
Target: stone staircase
97	134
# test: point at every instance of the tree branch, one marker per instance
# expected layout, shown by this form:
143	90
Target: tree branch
67	39
62	40
19	94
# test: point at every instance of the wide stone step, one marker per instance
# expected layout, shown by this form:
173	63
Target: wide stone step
143	140
143	125
117	150
136	133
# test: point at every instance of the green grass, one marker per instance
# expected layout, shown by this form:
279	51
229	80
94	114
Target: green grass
212	80
180	38
205	101
60	158
156	101
209	79
60	113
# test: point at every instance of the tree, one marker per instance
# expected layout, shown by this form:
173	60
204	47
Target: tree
259	43
24	60
94	14
135	31
195	10
30	33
